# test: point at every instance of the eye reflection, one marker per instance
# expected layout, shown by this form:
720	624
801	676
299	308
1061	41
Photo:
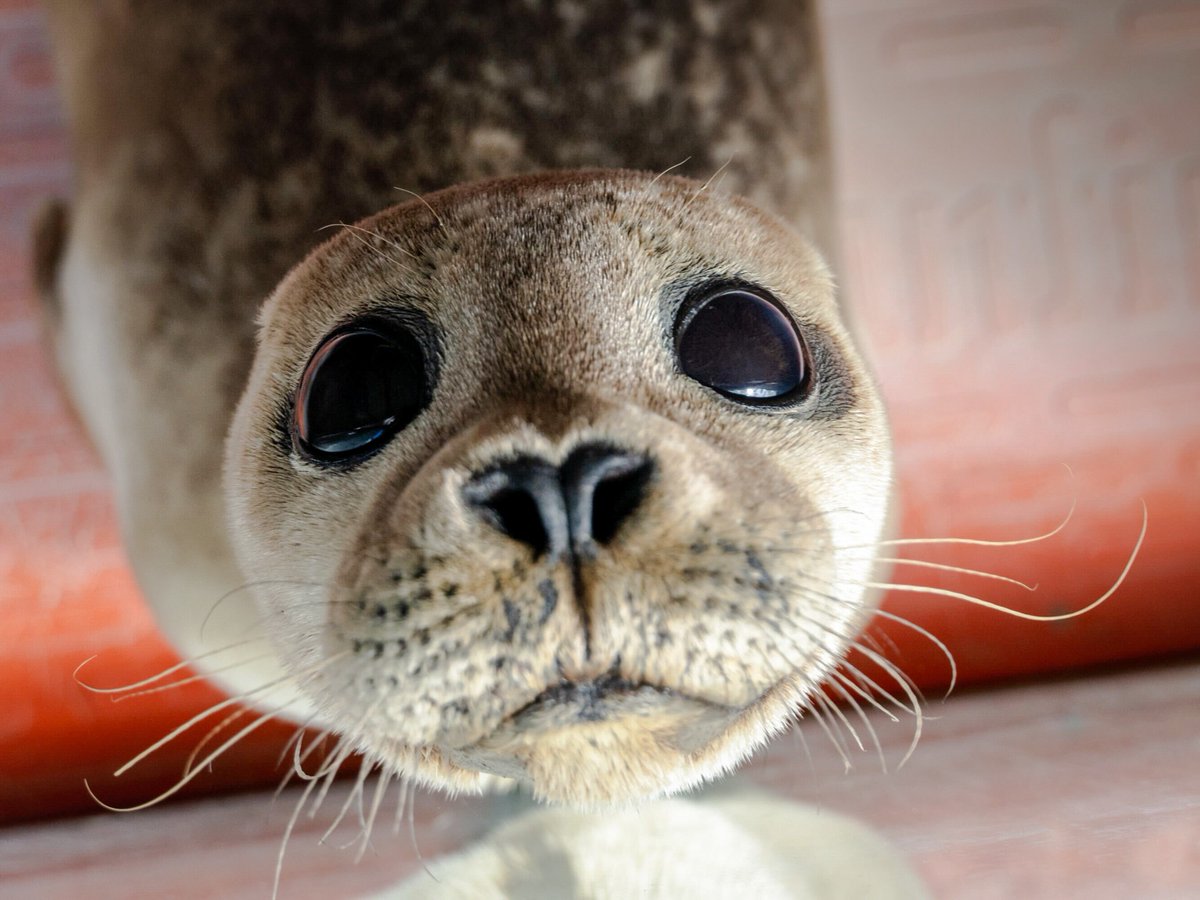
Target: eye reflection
361	386
741	345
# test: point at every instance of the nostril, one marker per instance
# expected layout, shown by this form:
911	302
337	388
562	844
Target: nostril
616	496
603	486
521	498
516	513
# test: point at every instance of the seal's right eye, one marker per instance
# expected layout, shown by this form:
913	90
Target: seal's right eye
364	384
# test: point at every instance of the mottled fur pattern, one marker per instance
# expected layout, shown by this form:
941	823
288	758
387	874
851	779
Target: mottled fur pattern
217	139
728	591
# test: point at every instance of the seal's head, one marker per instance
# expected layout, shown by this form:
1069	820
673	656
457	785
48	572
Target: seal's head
569	478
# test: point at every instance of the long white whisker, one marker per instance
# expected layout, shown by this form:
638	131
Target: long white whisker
706	184
866	695
355	793
870	686
836	741
287	835
383	778
853	701
900	620
972	542
341	753
217	707
358	229
404	786
841	716
212	733
170	670
902	681
192	679
186	779
943	567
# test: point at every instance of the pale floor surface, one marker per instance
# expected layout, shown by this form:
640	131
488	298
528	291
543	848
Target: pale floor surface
1081	788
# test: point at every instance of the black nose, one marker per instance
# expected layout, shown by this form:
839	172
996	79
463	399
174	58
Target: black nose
560	509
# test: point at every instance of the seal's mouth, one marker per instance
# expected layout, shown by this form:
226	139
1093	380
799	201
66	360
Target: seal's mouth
608	703
591	701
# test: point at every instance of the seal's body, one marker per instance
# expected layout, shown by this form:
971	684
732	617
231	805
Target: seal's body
568	477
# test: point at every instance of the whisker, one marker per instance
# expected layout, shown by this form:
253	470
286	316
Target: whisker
841	716
412	833
871	687
212	733
900	620
943	567
404	786
866	695
355	793
371	233
250	585
654	180
191	679
191	775
353	230
170	670
425	203
836	741
974	542
383	778
287	836
706	184
298	758
343	751
905	685
853	701
223	704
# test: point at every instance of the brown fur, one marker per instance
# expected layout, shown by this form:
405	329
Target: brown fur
215	138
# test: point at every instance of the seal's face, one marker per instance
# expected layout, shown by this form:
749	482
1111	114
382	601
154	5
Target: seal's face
572	479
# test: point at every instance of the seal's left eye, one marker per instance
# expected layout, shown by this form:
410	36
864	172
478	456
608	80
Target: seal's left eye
361	386
742	344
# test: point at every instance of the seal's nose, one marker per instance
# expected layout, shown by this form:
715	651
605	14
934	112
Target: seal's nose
560	509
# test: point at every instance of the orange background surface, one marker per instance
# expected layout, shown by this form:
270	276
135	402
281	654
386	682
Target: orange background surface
1022	249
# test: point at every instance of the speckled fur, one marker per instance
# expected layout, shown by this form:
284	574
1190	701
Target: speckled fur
729	595
215	138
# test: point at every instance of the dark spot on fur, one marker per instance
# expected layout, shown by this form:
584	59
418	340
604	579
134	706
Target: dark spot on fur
513	616
549	599
456	706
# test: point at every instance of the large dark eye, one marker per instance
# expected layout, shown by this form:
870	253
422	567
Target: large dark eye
741	344
362	385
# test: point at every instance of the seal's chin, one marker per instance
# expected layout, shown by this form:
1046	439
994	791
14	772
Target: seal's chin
600	742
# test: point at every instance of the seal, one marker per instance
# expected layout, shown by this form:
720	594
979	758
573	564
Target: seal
565	470
583	505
